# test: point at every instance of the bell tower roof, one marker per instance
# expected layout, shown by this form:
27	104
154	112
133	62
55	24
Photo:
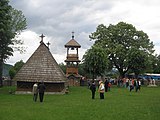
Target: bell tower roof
72	42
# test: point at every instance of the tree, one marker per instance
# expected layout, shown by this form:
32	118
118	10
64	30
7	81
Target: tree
63	67
17	66
156	64
81	70
12	73
139	61
95	61
120	41
12	22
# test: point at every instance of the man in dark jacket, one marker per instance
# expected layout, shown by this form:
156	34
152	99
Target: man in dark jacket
106	85
41	89
93	89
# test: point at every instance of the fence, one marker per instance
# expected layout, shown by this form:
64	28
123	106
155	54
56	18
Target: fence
8	82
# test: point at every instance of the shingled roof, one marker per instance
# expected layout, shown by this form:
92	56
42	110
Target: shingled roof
41	66
72	43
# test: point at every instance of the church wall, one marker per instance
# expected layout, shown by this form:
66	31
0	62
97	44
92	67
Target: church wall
50	87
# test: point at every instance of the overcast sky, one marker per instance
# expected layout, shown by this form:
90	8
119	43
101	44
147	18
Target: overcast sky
56	19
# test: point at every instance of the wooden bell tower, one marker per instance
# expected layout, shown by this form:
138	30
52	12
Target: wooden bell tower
72	61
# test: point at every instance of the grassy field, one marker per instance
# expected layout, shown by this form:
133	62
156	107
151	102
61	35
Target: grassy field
119	104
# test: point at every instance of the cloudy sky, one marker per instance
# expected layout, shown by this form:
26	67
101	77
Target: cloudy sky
56	19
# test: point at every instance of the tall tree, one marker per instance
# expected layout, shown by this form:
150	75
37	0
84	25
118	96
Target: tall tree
12	22
119	41
95	61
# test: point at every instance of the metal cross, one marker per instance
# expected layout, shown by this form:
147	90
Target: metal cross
72	35
48	44
42	36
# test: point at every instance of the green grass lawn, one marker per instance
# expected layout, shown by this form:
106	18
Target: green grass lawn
119	104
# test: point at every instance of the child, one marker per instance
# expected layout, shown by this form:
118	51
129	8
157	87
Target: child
109	86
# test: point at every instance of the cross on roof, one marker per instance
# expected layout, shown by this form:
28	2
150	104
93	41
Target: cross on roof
42	36
72	35
48	44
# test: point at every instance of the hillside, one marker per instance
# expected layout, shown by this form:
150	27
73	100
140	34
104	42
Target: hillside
6	68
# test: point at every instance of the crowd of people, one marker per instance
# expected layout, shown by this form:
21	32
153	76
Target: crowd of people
130	84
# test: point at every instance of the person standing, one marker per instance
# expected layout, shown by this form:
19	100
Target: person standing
41	89
106	85
127	83
88	84
109	86
130	85
35	92
93	89
101	89
139	85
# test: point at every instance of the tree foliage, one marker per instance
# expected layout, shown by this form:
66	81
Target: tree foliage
17	66
81	71
156	64
63	67
126	47
138	61
95	61
12	22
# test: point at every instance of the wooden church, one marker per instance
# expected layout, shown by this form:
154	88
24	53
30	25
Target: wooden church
41	66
